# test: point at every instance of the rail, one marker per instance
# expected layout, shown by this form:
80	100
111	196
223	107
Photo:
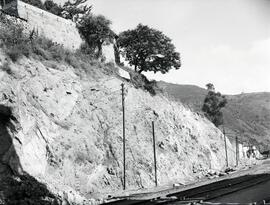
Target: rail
199	195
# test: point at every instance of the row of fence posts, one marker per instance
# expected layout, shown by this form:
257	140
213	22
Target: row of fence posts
124	142
154	144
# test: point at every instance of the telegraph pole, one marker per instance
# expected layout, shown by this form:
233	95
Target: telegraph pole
154	149
124	136
227	163
236	150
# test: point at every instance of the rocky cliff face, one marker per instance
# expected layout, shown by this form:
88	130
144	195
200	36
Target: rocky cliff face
66	130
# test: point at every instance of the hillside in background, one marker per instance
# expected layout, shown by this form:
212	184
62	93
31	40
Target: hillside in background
247	114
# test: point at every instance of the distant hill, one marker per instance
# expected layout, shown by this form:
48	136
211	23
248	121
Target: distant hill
247	114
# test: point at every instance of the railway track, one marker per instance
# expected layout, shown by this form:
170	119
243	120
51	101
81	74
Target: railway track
205	193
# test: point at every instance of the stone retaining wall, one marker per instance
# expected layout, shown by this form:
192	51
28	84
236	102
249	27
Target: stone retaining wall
51	26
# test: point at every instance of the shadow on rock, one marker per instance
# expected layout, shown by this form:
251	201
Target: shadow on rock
17	187
9	160
25	189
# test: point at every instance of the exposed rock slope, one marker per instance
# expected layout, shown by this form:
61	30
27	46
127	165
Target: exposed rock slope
68	131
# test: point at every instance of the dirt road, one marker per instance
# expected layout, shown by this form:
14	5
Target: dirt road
244	187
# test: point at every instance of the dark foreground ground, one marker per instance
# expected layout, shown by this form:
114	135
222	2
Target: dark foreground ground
242	187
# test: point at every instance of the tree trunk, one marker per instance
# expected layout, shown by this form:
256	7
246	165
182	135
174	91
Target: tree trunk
99	52
140	71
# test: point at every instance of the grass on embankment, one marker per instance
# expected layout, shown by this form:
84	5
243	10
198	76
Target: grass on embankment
17	43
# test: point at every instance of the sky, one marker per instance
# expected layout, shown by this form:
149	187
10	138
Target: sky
225	42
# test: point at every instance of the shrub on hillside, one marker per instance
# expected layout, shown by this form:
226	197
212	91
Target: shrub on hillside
73	10
70	10
16	43
140	81
110	69
96	32
17	51
213	103
36	3
53	8
87	50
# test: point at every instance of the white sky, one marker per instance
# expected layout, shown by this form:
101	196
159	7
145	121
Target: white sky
225	42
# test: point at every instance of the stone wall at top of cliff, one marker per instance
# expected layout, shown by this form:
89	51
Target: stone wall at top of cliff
50	26
53	27
71	131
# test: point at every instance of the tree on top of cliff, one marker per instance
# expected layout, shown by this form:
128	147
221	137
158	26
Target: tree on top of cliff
70	10
96	31
213	103
210	87
148	49
53	8
74	10
36	3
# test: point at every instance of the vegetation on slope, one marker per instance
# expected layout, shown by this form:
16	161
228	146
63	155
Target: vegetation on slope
148	49
245	114
96	32
249	114
190	95
171	116
81	121
70	10
212	105
17	44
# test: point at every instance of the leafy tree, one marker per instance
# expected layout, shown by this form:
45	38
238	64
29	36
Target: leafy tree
210	87
213	103
96	31
148	49
74	10
52	7
36	3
